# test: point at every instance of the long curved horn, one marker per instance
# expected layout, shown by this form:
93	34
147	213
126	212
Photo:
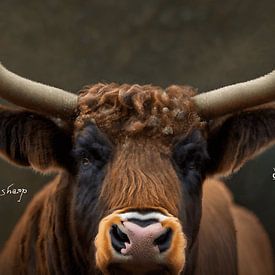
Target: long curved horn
36	96
236	97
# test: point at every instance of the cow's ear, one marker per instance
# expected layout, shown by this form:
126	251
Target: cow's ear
238	138
28	139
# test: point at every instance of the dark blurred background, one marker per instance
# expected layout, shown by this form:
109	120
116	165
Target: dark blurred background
204	43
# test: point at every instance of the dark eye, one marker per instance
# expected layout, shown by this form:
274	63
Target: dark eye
192	166
92	149
190	153
85	161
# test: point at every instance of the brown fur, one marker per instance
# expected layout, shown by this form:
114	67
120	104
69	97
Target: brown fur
129	110
29	139
216	230
235	139
137	163
254	251
36	245
244	246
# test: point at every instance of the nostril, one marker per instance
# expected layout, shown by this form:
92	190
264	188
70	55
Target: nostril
118	238
164	241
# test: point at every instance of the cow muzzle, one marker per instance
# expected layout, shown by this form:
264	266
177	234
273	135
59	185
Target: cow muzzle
139	242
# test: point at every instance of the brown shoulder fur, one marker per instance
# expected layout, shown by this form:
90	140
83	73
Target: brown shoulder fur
36	245
217	237
254	249
231	239
19	249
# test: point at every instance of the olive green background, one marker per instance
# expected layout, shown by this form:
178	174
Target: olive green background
203	43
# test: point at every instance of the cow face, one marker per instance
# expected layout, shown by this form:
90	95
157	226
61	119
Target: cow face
141	158
132	167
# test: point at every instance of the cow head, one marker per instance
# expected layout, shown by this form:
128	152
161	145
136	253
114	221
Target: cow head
137	157
147	145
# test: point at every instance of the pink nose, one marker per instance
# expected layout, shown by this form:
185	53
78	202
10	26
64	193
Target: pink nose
142	240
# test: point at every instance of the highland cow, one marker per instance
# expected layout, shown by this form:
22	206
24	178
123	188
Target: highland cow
135	191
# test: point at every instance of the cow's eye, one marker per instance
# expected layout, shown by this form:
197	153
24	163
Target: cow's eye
190	153
92	149
192	166
85	161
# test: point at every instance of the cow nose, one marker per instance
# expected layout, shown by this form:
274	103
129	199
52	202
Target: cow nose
140	238
140	242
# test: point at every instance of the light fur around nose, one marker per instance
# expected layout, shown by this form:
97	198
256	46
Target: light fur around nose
106	255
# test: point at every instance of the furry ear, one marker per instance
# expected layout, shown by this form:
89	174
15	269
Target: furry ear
234	140
29	139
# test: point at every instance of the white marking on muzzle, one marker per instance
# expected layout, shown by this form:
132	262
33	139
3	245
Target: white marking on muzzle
143	216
